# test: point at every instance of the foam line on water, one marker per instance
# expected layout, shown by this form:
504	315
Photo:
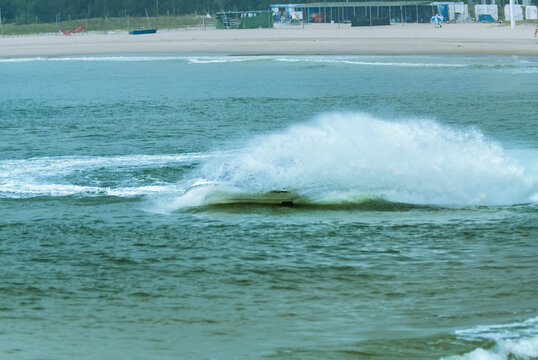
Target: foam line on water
517	340
95	59
512	65
66	164
139	58
348	158
351	61
52	176
416	62
21	191
225	59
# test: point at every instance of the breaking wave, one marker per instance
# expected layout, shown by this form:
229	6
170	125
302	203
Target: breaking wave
352	158
336	159
510	341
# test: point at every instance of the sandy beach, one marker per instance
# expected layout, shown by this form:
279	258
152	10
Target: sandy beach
309	40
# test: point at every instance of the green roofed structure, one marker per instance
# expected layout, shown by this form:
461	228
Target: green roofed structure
243	19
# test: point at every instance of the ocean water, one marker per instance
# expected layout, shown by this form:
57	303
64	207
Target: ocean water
413	232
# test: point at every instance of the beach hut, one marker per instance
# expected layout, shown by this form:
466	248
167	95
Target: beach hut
531	12
243	19
286	13
486	12
452	10
518	12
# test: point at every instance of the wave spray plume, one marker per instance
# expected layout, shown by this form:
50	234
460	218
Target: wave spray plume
350	158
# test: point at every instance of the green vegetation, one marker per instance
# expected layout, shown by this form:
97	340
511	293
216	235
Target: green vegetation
111	24
26	11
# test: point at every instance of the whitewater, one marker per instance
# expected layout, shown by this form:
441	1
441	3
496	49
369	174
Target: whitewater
337	158
347	158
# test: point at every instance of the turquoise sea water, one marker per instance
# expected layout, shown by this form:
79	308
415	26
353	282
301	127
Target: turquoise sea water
413	235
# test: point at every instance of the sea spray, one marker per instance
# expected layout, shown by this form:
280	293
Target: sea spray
351	157
334	159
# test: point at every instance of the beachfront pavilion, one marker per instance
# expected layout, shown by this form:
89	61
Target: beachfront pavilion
367	11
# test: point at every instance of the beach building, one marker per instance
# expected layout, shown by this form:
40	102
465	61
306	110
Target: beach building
453	10
531	12
243	19
357	13
486	12
287	13
368	13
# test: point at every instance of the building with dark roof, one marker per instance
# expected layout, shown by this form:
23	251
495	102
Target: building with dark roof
360	13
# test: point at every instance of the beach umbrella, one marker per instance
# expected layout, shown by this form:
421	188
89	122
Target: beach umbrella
437	19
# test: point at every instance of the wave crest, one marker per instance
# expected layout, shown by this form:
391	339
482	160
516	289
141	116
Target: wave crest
511	341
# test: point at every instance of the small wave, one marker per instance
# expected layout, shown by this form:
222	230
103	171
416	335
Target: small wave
116	58
220	60
19	60
510	341
96	59
525	70
119	58
422	62
392	64
365	61
517	66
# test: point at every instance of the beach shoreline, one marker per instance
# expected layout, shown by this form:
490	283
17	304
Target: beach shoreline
311	39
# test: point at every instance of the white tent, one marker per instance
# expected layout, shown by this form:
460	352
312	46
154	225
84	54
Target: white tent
531	12
518	12
492	10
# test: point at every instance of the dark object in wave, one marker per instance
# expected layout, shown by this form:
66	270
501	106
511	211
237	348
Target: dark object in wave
142	32
222	194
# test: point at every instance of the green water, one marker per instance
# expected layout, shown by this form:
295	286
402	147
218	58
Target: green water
413	235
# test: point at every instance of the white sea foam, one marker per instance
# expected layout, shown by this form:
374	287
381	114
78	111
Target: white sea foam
515	66
511	341
347	158
139	58
365	61
96	58
525	70
386	63
33	190
19	60
66	164
46	176
224	59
